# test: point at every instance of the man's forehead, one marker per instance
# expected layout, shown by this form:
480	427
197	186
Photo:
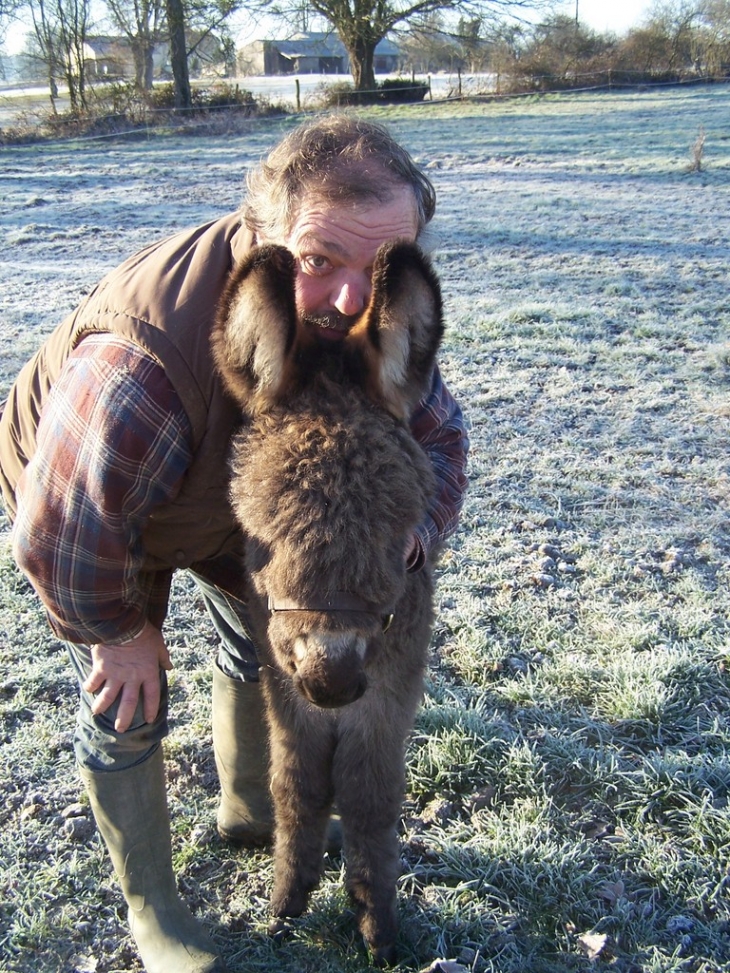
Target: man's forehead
320	241
343	230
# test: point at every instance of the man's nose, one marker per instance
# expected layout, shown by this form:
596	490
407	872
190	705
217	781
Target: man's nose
351	294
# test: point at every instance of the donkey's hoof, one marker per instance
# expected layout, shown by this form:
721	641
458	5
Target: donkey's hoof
281	928
384	955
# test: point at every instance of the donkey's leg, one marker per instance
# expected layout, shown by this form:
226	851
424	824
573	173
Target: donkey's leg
301	787
372	873
369	782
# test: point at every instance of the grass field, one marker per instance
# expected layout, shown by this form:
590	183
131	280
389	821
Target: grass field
569	773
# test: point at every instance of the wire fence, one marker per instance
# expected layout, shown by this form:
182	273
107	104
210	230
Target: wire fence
305	97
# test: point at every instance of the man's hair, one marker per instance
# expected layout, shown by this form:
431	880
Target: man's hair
338	158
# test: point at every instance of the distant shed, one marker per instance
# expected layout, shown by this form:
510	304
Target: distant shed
310	53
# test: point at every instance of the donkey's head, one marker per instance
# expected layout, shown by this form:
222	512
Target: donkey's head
328	482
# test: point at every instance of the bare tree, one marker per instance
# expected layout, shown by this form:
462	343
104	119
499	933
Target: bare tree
427	45
557	51
362	24
194	17
677	20
8	8
48	46
141	22
73	23
671	42
715	29
471	42
178	54
60	28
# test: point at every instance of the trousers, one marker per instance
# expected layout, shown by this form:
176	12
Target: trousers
99	747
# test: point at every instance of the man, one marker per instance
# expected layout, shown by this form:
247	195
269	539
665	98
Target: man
112	465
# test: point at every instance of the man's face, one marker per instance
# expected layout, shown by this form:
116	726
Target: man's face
334	247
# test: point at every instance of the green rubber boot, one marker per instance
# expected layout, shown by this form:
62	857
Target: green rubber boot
130	807
241	747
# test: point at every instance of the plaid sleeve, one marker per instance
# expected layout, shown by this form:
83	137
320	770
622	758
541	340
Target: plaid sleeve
438	425
113	443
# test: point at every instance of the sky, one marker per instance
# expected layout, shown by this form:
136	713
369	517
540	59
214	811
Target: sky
609	15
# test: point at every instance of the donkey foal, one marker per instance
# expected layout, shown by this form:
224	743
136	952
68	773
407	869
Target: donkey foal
328	485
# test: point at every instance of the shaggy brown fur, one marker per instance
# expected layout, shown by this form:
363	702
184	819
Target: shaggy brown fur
328	485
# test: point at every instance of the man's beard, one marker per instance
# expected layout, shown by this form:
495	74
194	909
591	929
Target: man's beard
331	321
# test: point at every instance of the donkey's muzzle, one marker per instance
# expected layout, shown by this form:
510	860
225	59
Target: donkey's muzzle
329	696
331	679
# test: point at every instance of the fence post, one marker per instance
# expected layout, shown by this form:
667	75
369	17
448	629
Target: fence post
299	97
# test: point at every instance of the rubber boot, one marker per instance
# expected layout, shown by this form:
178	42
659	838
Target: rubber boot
130	807
241	747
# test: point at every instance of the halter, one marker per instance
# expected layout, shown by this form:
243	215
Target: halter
337	601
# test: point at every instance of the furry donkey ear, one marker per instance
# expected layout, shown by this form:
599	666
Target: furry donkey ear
255	327
401	330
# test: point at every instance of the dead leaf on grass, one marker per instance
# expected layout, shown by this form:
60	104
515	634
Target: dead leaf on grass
595	828
483	798
595	945
439	812
84	963
613	891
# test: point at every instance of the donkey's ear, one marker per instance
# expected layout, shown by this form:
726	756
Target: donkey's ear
400	332
255	327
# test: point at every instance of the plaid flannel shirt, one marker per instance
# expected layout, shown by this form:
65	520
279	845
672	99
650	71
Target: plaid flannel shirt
113	443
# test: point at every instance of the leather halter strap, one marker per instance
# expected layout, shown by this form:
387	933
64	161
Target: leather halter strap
337	601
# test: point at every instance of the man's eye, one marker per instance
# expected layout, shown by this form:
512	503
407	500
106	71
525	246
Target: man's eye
315	264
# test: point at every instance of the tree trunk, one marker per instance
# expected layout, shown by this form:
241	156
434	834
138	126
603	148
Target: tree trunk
178	54
362	57
53	88
142	54
149	68
72	93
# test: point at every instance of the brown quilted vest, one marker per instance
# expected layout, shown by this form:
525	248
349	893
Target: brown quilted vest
164	299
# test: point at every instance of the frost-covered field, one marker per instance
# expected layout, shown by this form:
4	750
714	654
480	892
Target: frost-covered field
569	776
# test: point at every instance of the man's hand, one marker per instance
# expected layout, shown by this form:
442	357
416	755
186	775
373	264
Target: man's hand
129	669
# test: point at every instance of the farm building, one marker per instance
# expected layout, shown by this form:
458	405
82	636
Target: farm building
112	57
310	53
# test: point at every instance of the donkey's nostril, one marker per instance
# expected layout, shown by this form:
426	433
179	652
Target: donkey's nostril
328	696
